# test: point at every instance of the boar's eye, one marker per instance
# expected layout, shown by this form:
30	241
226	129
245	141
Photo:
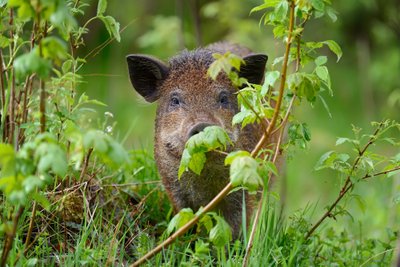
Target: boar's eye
174	101
223	99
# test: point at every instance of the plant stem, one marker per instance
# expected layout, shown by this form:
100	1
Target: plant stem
11	119
3	96
8	241
85	164
271	126
274	119
186	227
31	223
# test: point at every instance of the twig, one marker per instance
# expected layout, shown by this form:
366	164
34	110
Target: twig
12	88
186	227
3	96
31	223
274	119
8	241
348	183
85	164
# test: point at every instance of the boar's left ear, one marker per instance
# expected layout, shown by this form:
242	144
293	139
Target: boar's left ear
146	74
254	68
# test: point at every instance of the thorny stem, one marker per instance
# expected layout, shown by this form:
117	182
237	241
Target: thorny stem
348	183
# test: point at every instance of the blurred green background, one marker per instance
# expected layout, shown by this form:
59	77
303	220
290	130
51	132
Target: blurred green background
366	83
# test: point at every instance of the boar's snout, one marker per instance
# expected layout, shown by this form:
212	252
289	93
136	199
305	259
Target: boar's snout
197	129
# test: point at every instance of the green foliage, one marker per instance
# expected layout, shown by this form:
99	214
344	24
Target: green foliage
220	234
244	171
194	155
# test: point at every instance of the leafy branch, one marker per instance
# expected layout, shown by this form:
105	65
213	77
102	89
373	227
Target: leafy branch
349	184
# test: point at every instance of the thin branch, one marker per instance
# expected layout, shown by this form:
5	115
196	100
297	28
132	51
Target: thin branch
85	164
31	224
348	183
3	96
11	120
271	126
8	241
274	119
186	227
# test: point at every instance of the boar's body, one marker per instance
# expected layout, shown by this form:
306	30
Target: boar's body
189	101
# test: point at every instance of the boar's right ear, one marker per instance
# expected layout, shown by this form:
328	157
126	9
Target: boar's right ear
254	68
146	73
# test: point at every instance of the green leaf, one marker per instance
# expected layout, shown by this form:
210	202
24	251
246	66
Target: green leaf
334	47
7	160
112	27
341	140
325	159
319	5
321	60
4	41
31	183
396	199
51	157
331	13
281	10
193	156
41	199
244	172
201	248
270	78
54	48
221	233
180	219
267	4
95	139
101	7
322	72
231	156
30	63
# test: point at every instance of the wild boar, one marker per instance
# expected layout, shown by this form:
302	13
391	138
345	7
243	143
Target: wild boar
188	101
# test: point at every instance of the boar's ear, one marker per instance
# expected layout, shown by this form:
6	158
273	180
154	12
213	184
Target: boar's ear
254	67
146	74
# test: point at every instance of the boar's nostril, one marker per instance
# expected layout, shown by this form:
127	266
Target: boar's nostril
198	128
